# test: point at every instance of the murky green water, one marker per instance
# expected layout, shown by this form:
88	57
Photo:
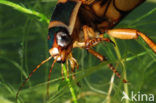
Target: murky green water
23	45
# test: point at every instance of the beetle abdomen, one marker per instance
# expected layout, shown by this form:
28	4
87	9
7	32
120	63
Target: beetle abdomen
105	14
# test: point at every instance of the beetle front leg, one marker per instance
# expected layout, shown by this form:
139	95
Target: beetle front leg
102	58
88	34
92	39
73	64
131	34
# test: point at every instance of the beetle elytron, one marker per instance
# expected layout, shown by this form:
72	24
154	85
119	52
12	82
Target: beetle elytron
82	23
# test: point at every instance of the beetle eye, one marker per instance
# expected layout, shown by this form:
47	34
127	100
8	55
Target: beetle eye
63	39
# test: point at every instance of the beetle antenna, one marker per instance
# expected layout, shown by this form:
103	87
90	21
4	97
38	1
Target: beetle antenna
50	75
31	75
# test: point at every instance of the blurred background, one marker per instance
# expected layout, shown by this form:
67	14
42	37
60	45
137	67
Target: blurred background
23	45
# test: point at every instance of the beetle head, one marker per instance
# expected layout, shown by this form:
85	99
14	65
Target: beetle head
60	43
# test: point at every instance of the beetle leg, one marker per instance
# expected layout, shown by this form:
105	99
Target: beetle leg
73	64
131	34
89	33
77	44
90	38
102	58
95	41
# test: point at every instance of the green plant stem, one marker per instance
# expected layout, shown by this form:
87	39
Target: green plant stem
123	65
69	83
134	57
24	10
108	98
144	16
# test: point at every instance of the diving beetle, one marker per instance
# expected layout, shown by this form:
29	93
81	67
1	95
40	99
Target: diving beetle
82	23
